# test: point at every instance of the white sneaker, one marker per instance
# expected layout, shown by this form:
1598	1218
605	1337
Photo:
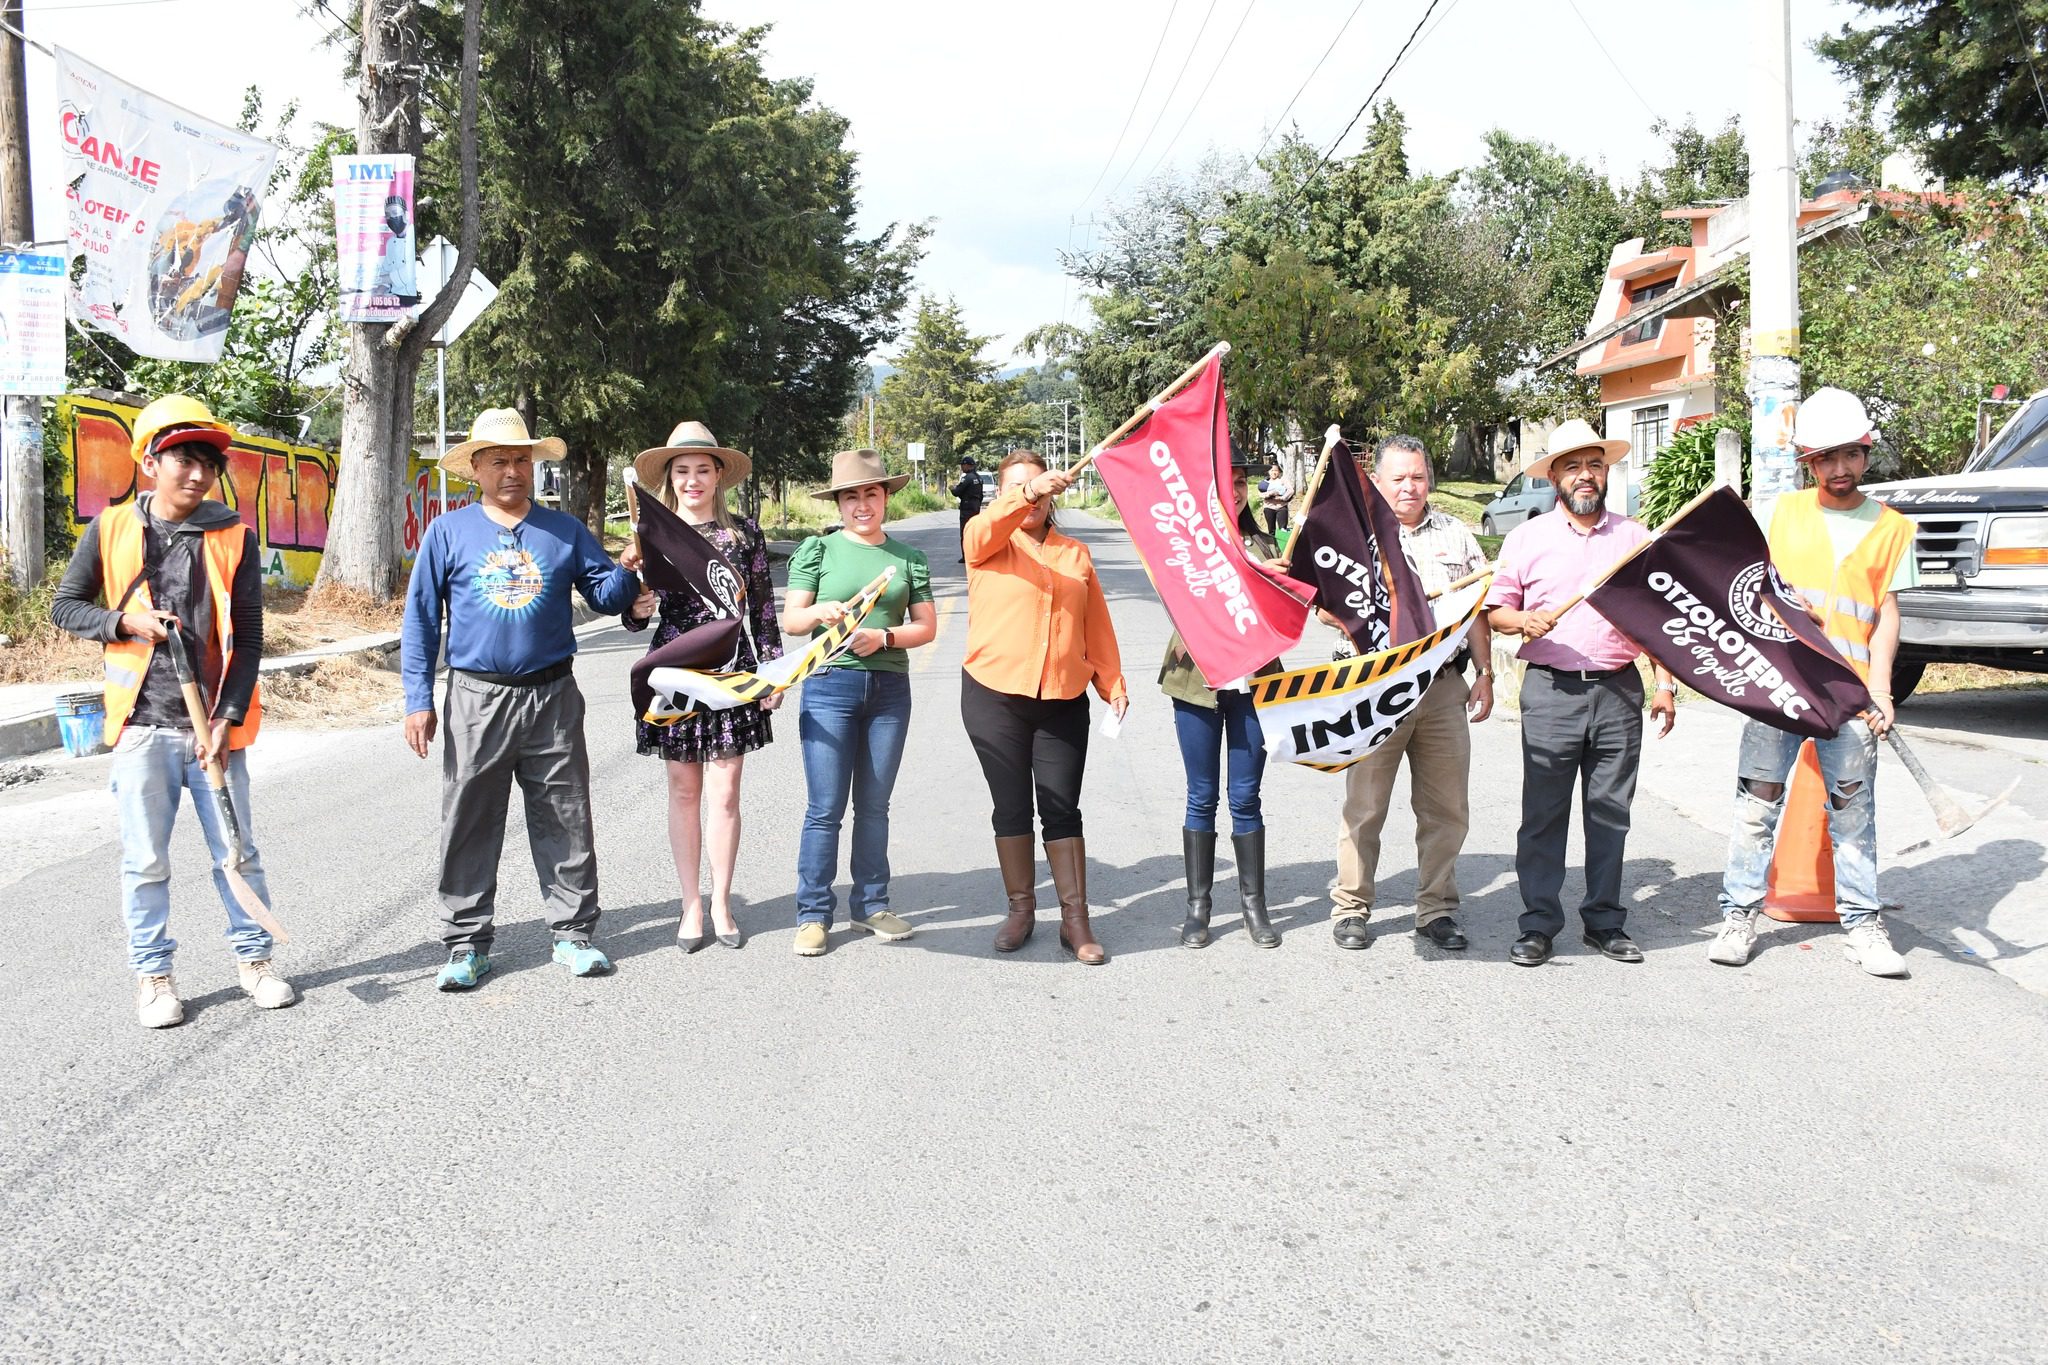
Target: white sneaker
156	1002
263	985
1870	947
1731	946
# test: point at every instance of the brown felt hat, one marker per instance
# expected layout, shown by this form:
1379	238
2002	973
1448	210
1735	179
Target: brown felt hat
858	469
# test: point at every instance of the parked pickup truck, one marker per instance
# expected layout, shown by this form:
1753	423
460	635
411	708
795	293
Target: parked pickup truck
1981	539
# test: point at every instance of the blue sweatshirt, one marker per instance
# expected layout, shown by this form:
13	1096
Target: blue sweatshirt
505	593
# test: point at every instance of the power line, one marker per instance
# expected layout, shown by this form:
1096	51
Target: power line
1590	33
1136	100
1378	86
1167	102
1279	122
2027	47
1203	93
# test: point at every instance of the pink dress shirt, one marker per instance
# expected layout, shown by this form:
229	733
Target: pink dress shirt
1550	558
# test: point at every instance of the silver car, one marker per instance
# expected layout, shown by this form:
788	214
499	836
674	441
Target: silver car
1522	499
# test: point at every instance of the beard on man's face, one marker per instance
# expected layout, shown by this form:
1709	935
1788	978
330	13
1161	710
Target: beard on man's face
1584	501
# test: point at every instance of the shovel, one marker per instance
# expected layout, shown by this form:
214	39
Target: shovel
1949	815
217	778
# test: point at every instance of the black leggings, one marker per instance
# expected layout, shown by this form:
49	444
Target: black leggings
1026	744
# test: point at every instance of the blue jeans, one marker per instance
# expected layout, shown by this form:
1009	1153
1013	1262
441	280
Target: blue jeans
152	769
853	724
1848	766
1206	736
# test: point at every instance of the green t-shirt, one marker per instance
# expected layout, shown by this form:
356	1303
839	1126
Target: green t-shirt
836	567
1846	531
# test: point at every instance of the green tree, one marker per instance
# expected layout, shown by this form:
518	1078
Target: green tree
672	234
946	395
1965	80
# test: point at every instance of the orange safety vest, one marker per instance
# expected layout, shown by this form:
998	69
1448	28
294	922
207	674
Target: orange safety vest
127	661
1845	596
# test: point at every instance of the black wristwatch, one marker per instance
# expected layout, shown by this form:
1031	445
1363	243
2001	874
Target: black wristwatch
888	639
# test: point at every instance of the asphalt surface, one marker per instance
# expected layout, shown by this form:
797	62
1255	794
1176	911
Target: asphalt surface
923	1151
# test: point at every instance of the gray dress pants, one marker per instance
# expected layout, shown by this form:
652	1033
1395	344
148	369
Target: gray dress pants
1587	732
492	734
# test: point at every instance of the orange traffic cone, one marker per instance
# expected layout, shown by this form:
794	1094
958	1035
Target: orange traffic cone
1801	888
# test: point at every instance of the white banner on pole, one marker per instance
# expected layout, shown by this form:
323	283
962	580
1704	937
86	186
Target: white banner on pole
373	237
163	205
31	323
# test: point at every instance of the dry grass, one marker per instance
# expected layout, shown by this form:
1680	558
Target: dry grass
293	620
1972	678
339	694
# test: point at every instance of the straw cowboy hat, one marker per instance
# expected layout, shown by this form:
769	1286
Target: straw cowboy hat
650	467
1573	436
498	428
858	469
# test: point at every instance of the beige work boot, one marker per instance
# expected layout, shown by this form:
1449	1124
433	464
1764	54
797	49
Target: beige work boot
811	938
885	926
262	984
156	1002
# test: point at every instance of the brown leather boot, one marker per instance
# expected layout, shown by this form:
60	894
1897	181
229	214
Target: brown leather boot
1069	859
1014	855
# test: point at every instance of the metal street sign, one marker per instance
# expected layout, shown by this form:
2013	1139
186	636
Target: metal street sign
916	449
435	268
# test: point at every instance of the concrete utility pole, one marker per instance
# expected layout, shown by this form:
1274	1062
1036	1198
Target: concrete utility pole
1773	379
21	422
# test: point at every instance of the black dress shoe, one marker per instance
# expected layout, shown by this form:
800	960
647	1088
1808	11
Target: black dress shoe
1350	932
1445	934
1530	950
1614	943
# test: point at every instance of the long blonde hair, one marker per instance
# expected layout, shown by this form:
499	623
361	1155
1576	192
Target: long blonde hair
720	512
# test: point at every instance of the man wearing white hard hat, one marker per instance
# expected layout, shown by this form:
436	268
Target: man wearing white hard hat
1582	698
500	571
1848	556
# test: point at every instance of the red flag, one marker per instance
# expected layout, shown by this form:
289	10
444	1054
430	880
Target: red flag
1170	479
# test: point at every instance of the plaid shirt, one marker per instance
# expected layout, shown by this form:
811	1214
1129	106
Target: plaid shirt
1442	549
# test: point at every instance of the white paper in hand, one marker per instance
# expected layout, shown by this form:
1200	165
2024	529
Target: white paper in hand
1112	724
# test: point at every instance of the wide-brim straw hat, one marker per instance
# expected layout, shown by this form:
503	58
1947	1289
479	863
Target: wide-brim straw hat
858	469
650	467
498	428
1572	436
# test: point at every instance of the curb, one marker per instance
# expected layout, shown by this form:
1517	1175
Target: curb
34	731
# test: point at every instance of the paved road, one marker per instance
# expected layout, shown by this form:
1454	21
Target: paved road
923	1152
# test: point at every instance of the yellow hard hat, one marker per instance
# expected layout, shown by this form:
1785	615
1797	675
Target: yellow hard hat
172	412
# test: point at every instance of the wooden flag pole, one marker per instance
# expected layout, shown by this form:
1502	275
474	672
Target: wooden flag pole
1151	405
1315	481
1467	581
632	506
1615	567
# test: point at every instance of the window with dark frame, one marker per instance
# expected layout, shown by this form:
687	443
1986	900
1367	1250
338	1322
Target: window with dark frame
1649	329
1648	430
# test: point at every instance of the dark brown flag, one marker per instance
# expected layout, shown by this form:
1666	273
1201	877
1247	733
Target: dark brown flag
1704	600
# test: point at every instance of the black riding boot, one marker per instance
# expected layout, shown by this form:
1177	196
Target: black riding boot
1251	887
1198	856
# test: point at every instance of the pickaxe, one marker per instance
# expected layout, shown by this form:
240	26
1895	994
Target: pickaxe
1949	815
217	778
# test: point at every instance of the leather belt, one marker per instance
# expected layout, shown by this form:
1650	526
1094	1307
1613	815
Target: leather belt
1584	674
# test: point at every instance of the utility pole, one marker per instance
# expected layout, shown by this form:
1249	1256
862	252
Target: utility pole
21	421
1773	379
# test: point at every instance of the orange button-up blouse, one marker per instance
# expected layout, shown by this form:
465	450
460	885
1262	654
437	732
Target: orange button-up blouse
1037	623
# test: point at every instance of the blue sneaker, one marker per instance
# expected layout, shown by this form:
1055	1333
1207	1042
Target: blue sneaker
582	959
465	968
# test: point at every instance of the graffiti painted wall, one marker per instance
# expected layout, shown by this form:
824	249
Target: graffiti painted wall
284	493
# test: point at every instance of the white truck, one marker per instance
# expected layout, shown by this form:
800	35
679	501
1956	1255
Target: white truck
1981	540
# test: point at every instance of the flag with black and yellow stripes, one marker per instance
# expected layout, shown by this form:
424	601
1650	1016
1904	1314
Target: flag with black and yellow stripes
681	692
1331	715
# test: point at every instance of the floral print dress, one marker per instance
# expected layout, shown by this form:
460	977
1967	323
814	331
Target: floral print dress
742	729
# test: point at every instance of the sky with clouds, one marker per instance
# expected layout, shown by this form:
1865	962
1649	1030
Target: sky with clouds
998	121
